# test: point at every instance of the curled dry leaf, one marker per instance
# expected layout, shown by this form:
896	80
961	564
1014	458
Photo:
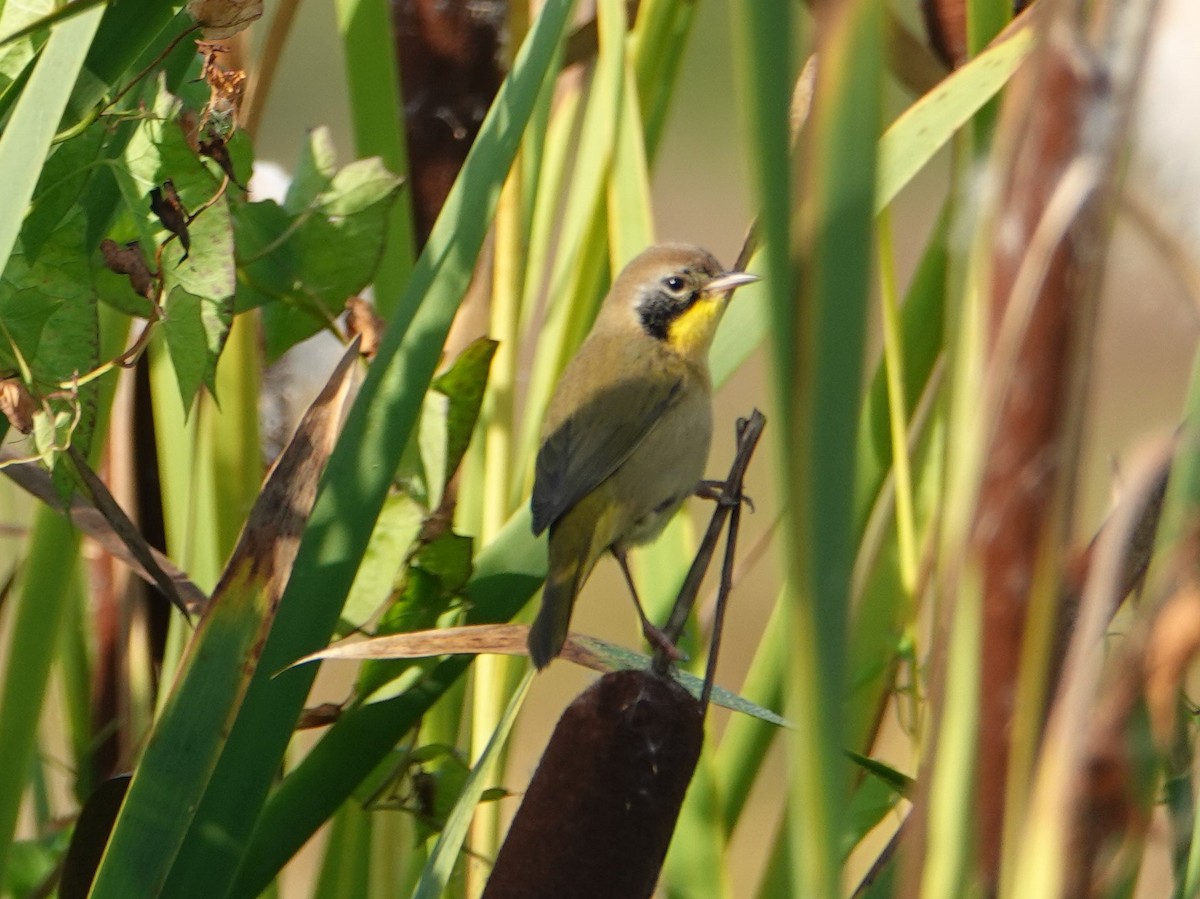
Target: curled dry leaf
215	149
321	715
224	18
165	203
362	320
1174	642
17	404
128	260
227	89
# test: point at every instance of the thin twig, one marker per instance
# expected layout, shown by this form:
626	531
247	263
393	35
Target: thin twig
748	437
735	520
157	61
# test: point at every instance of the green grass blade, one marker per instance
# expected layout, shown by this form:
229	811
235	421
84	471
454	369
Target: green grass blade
581	260
27	135
188	738
450	841
746	740
828	337
373	79
507	572
37	618
926	126
658	42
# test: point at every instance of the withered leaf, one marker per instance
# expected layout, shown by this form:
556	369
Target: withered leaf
17	404
319	716
165	203
224	18
128	260
85	516
215	149
362	320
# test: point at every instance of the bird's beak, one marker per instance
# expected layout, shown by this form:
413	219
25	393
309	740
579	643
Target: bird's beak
728	281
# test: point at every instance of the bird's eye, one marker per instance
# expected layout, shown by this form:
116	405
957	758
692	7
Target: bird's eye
674	283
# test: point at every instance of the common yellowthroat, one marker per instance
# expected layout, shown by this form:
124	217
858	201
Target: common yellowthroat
627	432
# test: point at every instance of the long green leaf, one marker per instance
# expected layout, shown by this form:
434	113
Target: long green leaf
450	841
27	135
507	572
36	621
827	336
926	126
187	740
373	80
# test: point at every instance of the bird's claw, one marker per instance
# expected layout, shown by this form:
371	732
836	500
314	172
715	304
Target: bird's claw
659	641
715	490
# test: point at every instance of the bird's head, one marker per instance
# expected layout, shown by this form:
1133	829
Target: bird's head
675	293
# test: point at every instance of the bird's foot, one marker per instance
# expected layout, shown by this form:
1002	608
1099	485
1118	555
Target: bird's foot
659	641
715	490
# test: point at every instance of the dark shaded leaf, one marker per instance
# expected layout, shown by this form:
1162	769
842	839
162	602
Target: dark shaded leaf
215	148
92	830
165	203
88	519
128	260
63	177
464	385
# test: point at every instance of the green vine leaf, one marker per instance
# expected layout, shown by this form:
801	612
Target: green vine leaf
300	261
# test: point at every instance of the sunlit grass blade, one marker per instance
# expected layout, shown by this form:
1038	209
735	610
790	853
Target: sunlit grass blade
26	138
507	572
37	617
926	126
580	261
375	103
450	841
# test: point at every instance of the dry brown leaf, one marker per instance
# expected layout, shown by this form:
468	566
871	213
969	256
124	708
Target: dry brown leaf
128	260
34	479
502	639
224	18
362	320
270	538
17	404
1173	644
321	715
214	148
228	88
165	203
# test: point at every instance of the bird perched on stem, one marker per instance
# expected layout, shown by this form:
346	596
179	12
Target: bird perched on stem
627	432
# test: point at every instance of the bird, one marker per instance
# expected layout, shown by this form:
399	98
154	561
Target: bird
626	433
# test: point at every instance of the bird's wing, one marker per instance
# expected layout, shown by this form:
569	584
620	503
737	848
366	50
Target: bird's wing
591	443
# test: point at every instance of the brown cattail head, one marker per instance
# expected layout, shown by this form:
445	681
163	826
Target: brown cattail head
598	817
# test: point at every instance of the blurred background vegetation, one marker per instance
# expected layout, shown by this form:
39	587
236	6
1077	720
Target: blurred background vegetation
972	344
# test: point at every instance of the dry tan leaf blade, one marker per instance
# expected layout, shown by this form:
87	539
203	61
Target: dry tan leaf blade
268	543
1173	645
503	639
34	479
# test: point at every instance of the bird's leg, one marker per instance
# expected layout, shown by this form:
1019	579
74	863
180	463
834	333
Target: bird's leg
653	635
715	490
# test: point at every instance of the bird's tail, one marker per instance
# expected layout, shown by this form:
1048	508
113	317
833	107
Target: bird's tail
576	541
549	630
